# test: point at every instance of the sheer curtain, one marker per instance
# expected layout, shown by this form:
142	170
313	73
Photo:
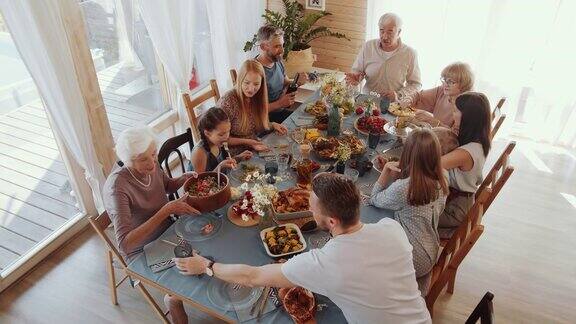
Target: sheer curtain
523	50
170	24
39	34
232	23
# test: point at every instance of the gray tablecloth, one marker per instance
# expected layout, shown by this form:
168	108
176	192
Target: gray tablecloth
233	244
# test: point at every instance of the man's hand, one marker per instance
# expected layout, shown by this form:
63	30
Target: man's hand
180	207
354	78
191	266
287	99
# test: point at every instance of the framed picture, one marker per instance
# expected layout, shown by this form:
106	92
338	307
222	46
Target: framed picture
316	4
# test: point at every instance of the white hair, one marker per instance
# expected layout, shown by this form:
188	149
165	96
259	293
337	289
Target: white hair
390	17
133	142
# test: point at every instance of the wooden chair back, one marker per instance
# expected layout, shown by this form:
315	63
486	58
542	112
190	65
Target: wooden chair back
100	223
498	108
484	311
233	76
498	175
455	250
193	103
496	126
172	145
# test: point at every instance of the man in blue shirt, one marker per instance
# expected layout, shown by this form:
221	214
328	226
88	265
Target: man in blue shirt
271	40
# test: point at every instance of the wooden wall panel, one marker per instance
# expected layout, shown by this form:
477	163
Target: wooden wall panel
348	17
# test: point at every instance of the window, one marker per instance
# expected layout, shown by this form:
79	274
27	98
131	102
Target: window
125	62
35	190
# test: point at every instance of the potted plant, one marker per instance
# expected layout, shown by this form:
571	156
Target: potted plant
299	31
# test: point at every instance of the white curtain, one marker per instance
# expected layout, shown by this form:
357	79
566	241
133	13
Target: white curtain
523	50
232	23
39	34
170	24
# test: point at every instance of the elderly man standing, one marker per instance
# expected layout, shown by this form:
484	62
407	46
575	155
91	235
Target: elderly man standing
389	66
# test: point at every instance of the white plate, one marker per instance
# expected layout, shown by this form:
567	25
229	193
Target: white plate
403	132
289	225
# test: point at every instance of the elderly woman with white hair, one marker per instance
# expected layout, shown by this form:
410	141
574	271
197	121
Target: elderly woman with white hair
437	106
135	197
389	66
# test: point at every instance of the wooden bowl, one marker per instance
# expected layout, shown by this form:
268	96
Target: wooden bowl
211	202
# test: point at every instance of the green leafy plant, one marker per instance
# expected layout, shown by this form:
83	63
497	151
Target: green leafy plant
298	27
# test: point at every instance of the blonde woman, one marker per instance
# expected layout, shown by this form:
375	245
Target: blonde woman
247	108
436	106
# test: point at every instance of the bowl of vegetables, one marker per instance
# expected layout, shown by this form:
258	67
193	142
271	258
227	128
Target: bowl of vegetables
204	192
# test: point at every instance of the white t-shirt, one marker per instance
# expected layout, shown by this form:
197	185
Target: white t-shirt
469	181
369	274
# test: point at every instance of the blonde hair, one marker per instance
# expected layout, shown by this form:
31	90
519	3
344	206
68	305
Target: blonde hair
259	101
460	72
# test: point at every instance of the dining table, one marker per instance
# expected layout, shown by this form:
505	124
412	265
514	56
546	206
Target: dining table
242	245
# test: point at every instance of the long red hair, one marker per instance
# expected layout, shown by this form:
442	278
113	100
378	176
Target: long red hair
259	101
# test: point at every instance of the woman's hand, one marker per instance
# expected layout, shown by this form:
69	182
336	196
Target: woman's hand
258	146
392	167
229	163
180	207
279	128
191	266
380	162
246	155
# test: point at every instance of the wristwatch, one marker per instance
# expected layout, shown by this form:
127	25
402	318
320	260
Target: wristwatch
209	270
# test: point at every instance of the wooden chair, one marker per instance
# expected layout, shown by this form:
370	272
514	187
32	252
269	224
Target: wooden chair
496	125
484	311
498	108
497	112
172	145
192	104
100	223
233	76
498	175
456	248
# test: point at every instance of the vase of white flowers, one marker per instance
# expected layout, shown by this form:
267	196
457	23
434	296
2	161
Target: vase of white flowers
254	206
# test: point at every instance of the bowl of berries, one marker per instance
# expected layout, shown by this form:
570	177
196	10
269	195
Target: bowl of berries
370	122
205	194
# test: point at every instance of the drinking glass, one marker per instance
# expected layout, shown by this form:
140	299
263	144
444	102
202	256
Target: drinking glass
283	160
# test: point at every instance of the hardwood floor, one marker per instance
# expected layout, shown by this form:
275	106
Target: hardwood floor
525	257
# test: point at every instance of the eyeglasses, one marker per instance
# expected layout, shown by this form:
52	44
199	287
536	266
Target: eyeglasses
448	81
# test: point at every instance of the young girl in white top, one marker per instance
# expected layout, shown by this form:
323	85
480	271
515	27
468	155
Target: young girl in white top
465	163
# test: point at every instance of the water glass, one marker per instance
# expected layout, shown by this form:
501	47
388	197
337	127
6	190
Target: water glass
283	160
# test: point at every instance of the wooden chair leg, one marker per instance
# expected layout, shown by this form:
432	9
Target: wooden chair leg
153	303
451	283
111	277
